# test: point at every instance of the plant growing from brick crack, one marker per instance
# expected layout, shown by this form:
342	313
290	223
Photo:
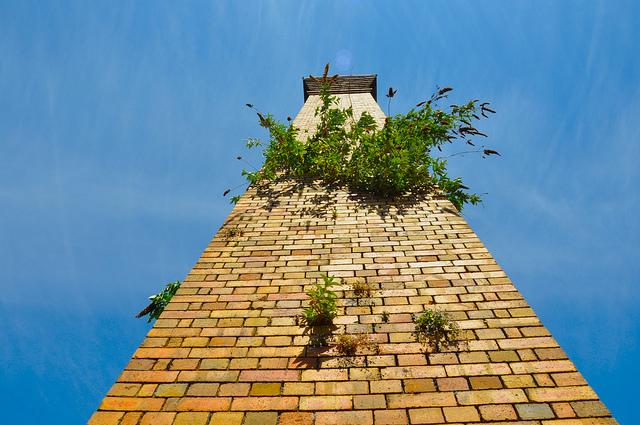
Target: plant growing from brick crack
159	301
348	345
385	317
322	307
231	232
361	290
436	330
392	161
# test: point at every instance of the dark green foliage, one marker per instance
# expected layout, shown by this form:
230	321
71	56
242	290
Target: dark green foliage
159	301
436	330
394	160
322	304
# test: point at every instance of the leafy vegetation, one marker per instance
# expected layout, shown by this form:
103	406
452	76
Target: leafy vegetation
389	161
159	301
436	330
322	307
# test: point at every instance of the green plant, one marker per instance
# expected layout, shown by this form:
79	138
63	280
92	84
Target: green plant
231	232
385	317
348	345
361	289
322	307
159	301
389	161
435	329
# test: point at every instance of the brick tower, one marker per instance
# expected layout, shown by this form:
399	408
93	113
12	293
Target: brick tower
228	350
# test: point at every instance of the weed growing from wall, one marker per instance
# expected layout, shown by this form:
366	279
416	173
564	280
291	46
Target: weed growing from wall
229	233
322	307
348	345
435	330
159	301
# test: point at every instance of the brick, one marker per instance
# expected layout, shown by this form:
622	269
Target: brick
518	381
147	390
374	401
413	372
161	353
355	387
226	418
191	418
345	418
411	359
203	404
261	418
485	382
478	369
131	403
390	417
461	414
491	397
158	418
568	379
203	389
563	410
324	375
325	403
171	390
504	356
498	412
561	394
426	416
263	388
419	385
364	373
298	388
296	418
542	367
105	418
395	401
234	389
269	375
452	384
534	411
264	403
589	409
131	418
119	389
148	376
386	386
517	343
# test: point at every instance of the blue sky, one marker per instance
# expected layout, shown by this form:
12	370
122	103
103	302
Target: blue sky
119	122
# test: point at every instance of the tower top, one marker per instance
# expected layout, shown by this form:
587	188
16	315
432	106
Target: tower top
343	84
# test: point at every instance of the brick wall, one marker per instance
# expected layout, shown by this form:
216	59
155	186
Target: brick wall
228	350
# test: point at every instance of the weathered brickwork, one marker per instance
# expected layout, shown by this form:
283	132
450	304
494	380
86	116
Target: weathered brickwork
228	350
